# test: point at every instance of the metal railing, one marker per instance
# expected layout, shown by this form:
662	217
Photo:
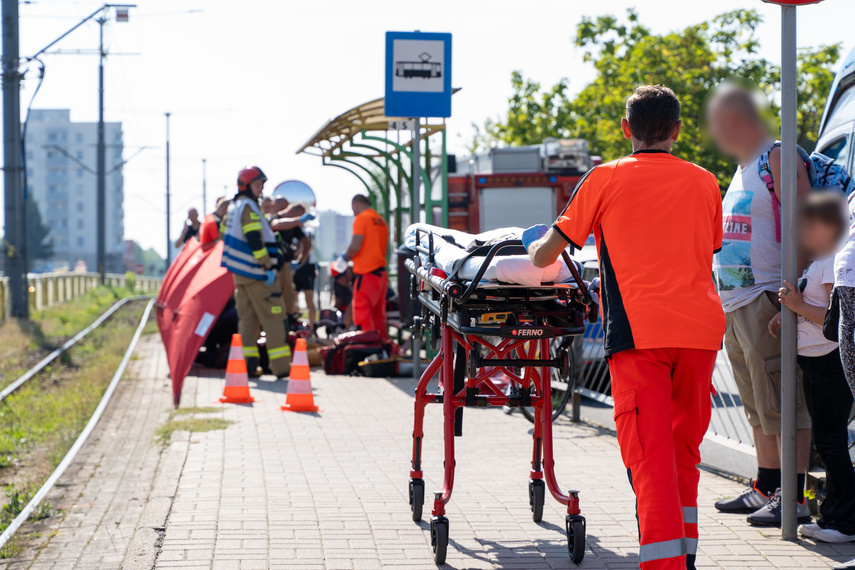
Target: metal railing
48	289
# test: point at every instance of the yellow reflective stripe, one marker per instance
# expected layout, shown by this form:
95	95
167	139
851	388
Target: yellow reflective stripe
259	253
250	351
280	352
276	309
254	216
252	227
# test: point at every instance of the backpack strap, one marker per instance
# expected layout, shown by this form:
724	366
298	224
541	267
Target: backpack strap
765	172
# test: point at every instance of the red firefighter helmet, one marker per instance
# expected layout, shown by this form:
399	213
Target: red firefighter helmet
247	175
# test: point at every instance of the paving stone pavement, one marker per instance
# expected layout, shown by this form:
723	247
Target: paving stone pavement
329	491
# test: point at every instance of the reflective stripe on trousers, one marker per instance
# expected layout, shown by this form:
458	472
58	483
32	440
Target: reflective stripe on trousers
280	352
662	550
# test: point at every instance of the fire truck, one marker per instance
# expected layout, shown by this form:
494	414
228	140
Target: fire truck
519	186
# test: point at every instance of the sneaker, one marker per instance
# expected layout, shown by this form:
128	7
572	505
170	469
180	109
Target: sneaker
832	536
749	501
809	530
845	565
770	514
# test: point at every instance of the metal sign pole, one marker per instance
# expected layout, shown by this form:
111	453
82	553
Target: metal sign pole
415	200
789	384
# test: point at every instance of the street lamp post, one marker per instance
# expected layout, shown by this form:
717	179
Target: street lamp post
204	186
102	160
168	241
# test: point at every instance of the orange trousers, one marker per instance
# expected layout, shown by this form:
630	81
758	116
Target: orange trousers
662	411
369	301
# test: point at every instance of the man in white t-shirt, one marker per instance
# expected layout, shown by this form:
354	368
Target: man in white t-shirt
748	275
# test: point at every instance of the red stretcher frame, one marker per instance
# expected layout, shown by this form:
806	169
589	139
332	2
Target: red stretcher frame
522	362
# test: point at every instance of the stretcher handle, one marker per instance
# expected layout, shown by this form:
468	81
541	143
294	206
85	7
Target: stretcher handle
448	286
421	249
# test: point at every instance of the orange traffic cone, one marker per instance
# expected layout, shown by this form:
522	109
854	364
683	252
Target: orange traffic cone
237	381
299	397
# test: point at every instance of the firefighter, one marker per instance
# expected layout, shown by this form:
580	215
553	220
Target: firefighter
657	221
250	252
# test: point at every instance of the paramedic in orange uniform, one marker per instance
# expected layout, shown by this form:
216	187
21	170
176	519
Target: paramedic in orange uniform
657	221
368	251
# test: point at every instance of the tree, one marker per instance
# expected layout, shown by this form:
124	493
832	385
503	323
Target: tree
39	242
691	61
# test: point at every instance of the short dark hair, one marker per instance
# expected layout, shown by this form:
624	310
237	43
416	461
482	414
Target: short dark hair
362	199
828	208
653	113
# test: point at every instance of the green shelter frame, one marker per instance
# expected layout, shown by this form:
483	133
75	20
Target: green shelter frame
366	143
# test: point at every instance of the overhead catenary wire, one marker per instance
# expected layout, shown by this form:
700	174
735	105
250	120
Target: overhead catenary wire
81	439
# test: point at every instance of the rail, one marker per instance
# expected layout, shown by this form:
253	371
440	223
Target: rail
81	439
48	289
66	345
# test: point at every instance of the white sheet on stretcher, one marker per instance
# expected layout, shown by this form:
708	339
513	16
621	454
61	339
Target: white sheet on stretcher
516	269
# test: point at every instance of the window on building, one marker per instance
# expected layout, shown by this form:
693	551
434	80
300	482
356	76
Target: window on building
80	206
52	136
50	154
79	155
80	242
79	137
80	173
79	224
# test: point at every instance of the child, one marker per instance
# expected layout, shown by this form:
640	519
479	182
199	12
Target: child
829	401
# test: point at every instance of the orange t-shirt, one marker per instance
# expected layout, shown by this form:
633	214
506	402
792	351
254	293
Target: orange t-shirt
657	222
375	239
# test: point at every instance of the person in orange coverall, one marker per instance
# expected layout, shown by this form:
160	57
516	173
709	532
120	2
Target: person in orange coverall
368	251
657	220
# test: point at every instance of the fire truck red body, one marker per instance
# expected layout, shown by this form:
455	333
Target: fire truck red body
515	186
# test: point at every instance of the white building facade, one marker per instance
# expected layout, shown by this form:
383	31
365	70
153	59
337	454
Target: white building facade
332	236
61	160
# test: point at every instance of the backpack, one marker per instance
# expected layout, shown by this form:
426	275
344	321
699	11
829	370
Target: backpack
349	349
823	172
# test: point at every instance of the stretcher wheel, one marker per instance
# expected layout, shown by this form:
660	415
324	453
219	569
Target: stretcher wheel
417	498
536	495
439	538
576	537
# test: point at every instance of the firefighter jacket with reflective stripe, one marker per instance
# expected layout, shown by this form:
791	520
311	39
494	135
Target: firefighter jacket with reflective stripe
243	224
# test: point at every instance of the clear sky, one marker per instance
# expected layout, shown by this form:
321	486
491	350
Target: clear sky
249	81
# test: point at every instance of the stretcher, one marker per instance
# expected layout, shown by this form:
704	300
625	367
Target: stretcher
484	329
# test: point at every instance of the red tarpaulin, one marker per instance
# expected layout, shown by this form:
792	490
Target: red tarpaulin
194	298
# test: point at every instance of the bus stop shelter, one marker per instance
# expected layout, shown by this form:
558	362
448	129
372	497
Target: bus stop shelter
378	150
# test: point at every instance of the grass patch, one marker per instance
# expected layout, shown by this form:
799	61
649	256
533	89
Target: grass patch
194	425
190	411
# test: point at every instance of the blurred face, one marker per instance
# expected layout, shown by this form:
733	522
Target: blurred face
280	204
357	207
256	187
193	215
726	129
818	239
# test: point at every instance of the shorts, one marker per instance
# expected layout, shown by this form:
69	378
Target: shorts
755	357
343	295
304	277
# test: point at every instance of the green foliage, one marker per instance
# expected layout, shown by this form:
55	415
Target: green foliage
39	242
130	280
691	61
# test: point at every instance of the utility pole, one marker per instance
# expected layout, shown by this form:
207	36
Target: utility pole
102	160
15	203
204	187
168	241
